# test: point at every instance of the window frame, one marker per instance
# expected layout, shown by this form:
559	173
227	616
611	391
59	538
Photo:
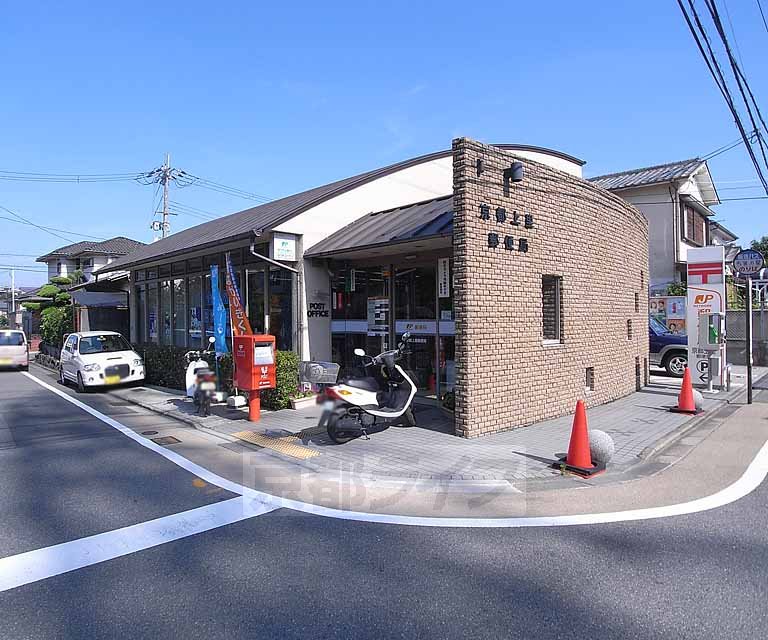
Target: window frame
558	311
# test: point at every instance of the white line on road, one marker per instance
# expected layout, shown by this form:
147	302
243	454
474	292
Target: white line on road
40	564
748	482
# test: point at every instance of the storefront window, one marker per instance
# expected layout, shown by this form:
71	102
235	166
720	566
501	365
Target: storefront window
179	313
141	315
255	295
165	311
195	312
152	313
281	307
207	306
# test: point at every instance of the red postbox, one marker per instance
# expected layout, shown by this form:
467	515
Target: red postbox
254	358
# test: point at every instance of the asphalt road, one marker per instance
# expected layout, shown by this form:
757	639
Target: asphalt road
289	575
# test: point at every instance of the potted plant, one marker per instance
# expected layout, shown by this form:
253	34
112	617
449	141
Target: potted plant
303	399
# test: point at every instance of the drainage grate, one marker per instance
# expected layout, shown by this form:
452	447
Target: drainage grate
285	445
309	432
166	440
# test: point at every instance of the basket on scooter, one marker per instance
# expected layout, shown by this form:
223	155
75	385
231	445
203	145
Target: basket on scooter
318	372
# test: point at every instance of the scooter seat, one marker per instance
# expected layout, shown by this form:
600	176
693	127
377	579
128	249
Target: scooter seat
368	383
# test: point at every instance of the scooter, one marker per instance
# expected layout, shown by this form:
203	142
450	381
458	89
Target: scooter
383	395
200	380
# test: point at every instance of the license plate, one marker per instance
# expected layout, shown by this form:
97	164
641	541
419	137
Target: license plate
111	379
208	386
5	361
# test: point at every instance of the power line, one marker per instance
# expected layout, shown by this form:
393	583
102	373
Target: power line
699	34
196	209
19	255
741	80
762	15
72	233
47	230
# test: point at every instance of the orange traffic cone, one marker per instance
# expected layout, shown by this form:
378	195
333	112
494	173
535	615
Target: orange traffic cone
579	459
685	401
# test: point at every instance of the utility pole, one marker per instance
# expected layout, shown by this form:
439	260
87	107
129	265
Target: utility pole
749	339
166	177
12	319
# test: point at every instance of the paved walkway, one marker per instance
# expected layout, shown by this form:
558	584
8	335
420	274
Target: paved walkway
430	451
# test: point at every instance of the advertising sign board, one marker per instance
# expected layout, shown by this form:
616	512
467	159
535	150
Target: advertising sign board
706	296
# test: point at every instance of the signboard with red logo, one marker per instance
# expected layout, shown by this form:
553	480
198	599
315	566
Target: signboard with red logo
706	295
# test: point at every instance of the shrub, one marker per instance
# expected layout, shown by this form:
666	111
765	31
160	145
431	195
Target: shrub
56	322
165	366
62	298
287	379
61	280
48	291
3	321
31	306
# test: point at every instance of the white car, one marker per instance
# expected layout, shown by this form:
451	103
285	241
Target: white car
96	358
14	349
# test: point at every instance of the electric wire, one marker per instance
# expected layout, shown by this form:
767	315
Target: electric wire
762	14
49	229
741	80
717	75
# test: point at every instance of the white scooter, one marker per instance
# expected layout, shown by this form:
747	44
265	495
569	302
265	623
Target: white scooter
200	379
383	395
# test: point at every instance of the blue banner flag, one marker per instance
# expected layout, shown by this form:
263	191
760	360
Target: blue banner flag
219	313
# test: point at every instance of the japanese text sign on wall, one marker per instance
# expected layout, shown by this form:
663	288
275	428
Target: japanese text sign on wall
444	278
501	216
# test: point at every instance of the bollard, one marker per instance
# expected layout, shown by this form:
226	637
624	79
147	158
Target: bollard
254	406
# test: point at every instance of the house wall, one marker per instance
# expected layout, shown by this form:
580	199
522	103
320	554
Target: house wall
663	233
507	376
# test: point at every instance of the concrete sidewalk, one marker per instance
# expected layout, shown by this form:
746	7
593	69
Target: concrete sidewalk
639	425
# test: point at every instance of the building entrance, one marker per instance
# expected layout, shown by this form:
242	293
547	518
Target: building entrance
373	307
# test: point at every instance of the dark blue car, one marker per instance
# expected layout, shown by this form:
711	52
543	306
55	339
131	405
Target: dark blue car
667	349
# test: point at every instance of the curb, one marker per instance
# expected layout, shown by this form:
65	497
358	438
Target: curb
671	438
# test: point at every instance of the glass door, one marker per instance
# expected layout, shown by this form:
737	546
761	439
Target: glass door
416	313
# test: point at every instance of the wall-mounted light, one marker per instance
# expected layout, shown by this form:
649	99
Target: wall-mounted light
514	173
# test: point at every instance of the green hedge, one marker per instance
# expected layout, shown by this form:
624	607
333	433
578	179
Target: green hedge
165	366
55	323
287	378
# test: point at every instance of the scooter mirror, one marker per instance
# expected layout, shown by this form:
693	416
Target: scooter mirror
211	340
359	352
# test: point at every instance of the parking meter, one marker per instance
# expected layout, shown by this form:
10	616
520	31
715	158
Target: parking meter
254	357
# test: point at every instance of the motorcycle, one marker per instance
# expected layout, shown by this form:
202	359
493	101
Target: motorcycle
200	380
383	395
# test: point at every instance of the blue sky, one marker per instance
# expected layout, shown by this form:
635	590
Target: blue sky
274	98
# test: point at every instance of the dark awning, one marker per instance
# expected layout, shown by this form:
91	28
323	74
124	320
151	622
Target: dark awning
419	221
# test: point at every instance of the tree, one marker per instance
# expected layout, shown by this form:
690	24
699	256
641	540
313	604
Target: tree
55	324
761	245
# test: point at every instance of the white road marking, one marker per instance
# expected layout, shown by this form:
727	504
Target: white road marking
748	482
40	564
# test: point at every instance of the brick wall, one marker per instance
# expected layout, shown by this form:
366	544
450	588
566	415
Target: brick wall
507	375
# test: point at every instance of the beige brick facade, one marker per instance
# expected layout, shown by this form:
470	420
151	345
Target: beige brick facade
507	375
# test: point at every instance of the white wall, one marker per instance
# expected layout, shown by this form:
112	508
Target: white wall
67	267
661	230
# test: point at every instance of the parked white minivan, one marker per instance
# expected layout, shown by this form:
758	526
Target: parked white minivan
14	349
96	358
